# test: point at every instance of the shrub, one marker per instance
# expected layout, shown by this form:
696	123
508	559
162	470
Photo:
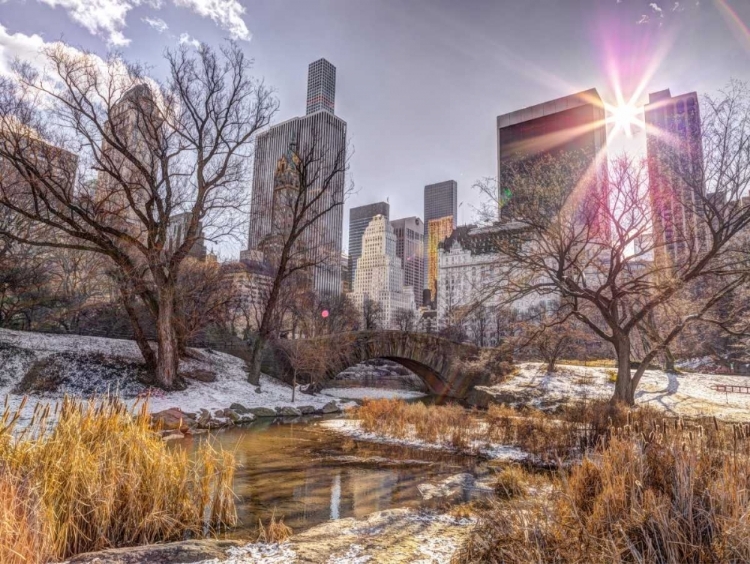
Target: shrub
510	483
662	492
101	477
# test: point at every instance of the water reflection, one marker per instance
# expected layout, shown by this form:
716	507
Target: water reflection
310	475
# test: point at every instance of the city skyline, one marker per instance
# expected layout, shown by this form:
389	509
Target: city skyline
445	124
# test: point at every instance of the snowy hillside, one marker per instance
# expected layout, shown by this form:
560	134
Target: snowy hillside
86	366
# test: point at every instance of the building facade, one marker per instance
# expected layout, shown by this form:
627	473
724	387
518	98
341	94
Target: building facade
409	233
675	163
440	202
439	230
323	134
471	293
359	219
572	124
380	278
321	87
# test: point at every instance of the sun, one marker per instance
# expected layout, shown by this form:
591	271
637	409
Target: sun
624	117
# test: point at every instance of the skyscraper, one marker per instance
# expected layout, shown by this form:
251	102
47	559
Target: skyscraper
675	161
574	123
321	87
379	277
325	132
440	203
409	233
359	219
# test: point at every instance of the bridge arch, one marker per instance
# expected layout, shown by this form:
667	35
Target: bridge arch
447	368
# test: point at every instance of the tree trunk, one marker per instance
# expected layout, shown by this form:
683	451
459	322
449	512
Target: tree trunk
624	389
168	351
140	337
668	360
256	356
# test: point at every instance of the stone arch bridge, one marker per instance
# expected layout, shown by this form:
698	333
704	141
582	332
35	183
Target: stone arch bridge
448	369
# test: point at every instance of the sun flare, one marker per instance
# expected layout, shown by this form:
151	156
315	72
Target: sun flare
625	117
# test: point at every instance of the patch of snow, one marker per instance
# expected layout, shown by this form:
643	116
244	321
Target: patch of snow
231	386
258	553
353	428
352	556
688	395
371	393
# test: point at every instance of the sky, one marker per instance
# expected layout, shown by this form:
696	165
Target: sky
421	82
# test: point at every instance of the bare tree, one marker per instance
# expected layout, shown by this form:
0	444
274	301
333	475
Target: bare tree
372	315
405	319
308	189
579	244
158	150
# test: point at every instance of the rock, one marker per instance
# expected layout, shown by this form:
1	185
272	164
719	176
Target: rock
203	418
257	390
200	375
484	396
457	487
306	409
330	407
246	418
262	412
239	408
219	413
171	553
288	411
232	415
172	436
172	419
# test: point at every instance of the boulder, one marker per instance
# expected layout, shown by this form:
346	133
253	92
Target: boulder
172	553
330	407
262	412
172	419
200	375
239	408
246	418
288	411
306	409
484	396
232	415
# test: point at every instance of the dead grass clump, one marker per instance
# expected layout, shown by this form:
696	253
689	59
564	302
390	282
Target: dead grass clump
433	424
275	531
662	492
101	477
510	483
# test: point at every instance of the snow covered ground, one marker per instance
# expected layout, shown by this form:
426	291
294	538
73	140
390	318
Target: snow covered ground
372	393
352	428
89	366
396	536
687	394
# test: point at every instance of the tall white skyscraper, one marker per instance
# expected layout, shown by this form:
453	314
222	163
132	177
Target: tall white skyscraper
379	277
326	132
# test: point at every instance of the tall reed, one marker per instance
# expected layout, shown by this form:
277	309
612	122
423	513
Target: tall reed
101	477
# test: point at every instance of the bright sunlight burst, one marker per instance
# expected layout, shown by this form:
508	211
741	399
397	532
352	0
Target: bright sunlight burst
625	116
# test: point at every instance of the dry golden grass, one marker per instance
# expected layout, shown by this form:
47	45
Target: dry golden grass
449	424
510	483
101	477
275	531
657	491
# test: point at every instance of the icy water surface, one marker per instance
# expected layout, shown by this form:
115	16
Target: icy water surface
310	475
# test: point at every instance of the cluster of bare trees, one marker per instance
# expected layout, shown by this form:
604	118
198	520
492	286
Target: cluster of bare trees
136	154
587	238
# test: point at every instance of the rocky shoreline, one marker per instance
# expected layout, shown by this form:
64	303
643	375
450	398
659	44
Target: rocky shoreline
174	423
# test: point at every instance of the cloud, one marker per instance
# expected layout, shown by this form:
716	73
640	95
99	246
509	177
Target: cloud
104	18
21	46
643	20
227	14
185	39
656	8
677	7
157	23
